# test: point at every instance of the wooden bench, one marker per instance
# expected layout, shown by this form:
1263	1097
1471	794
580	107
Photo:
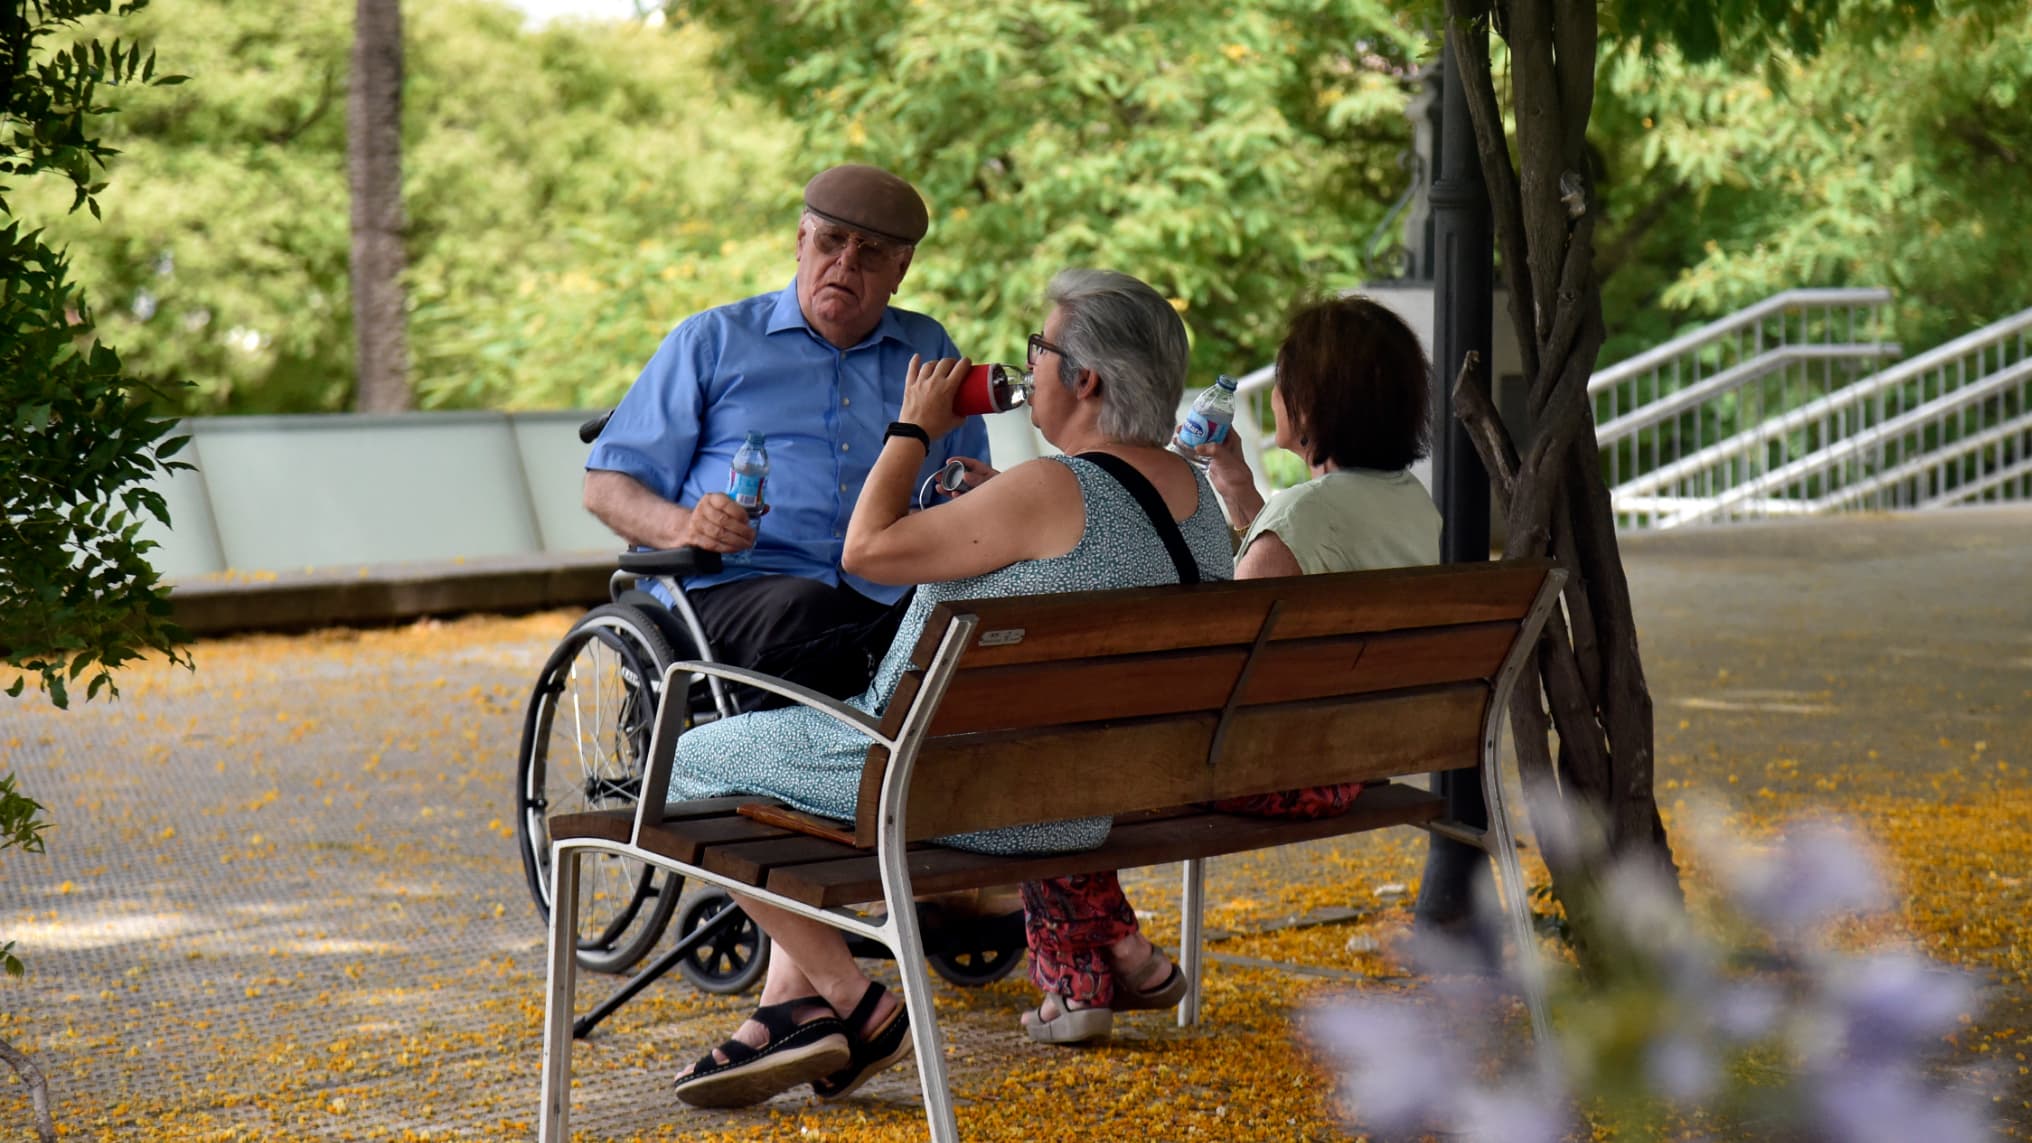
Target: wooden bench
1136	704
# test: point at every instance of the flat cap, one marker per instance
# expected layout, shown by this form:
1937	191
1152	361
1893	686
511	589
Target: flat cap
868	199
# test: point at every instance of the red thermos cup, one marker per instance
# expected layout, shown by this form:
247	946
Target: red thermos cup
989	388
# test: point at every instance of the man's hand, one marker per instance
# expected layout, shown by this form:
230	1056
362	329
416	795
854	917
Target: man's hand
977	474
718	524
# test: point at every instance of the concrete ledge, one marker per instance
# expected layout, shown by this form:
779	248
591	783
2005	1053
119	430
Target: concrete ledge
386	593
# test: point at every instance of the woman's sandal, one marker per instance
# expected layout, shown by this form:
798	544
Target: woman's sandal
1071	1025
796	1053
884	1046
1157	984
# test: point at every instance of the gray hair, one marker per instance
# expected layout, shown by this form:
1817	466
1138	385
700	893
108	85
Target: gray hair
1133	340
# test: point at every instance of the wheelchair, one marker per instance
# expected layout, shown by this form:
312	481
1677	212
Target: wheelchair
585	742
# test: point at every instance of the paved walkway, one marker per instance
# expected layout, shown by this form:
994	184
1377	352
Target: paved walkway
282	899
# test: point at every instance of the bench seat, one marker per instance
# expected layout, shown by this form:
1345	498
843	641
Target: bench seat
716	836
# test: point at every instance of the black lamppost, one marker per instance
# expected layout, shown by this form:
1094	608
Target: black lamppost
1463	256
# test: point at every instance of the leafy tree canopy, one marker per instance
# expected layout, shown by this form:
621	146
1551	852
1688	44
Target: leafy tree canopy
572	191
1234	155
1902	160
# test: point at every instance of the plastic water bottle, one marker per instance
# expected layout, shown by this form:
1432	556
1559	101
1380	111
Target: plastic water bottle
748	480
1211	418
748	485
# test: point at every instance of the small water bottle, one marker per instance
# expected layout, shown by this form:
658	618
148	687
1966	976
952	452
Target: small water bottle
748	486
1211	417
748	480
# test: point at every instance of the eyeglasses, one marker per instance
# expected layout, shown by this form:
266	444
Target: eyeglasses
830	241
1039	345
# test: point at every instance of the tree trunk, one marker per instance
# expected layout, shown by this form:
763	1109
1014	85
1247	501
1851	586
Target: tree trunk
38	1090
374	176
1590	691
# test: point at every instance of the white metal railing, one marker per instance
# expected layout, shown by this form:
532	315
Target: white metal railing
1704	388
1949	426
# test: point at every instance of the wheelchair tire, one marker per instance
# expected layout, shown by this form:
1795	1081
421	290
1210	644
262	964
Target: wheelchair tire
977	968
585	740
729	961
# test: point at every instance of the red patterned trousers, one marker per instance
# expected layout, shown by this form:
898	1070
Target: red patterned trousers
1070	921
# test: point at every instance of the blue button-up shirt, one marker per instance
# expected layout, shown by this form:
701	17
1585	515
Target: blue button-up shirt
757	364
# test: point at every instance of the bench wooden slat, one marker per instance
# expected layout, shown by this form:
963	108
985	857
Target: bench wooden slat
965	783
854	877
680	838
1137	620
1177	682
751	861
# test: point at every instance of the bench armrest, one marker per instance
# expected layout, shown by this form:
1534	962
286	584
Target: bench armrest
858	720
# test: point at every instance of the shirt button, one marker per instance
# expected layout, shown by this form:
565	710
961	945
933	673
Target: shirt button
843	488
846	402
845	445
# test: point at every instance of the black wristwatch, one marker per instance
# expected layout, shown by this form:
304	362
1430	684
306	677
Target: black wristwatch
906	429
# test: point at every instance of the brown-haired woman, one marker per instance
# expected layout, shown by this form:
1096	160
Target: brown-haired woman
1351	397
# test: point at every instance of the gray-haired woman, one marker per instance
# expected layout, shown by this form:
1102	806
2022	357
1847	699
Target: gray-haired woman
1109	367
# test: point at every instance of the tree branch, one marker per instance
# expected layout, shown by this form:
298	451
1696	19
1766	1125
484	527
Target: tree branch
1573	26
1477	413
1505	203
1569	309
1541	153
38	1090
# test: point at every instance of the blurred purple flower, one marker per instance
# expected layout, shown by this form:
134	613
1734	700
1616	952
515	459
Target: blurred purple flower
1891	1105
1402	1075
1747	1012
1817	873
1889	1004
1515	1114
1681	1068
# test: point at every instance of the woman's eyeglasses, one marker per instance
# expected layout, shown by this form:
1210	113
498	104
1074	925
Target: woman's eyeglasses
1039	345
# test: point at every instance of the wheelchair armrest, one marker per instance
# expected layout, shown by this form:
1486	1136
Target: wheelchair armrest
671	561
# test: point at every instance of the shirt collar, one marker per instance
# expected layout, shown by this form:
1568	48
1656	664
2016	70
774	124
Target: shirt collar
787	314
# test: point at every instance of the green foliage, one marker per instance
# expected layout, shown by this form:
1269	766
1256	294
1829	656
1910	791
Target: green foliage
1234	156
572	192
1898	156
77	594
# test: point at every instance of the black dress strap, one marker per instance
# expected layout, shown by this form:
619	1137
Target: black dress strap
1152	503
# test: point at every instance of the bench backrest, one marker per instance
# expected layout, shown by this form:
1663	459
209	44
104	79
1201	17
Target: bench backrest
1109	702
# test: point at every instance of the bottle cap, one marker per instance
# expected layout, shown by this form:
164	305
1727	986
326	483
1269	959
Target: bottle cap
1225	381
755	438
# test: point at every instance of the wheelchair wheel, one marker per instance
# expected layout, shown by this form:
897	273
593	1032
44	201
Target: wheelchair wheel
585	741
977	967
729	961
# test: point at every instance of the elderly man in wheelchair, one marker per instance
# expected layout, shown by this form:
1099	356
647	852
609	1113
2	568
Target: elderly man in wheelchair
818	370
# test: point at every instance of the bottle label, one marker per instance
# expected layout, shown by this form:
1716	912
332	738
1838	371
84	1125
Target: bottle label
1198	430
745	488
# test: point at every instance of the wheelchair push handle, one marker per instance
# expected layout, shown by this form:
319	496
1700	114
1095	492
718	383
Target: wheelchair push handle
590	431
671	561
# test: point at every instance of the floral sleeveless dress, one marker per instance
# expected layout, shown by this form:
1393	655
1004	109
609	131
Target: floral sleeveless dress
811	761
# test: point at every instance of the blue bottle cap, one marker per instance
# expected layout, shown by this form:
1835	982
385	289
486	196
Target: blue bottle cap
755	438
1225	381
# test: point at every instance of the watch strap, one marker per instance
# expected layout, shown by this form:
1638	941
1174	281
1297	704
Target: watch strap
906	429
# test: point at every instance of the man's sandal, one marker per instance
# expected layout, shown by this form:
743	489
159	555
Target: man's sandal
796	1053
1071	1025
1157	984
881	1048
